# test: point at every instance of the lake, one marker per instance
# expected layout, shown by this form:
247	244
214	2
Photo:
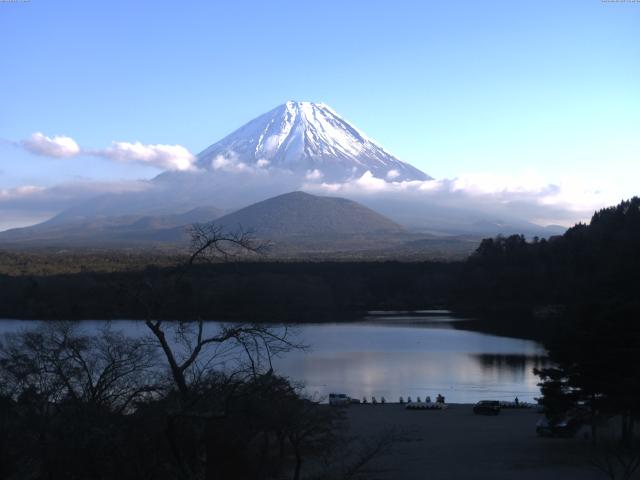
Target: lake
395	354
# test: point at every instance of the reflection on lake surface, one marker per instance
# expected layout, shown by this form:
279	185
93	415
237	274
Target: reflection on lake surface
404	353
416	359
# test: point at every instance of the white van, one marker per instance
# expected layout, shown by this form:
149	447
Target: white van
339	399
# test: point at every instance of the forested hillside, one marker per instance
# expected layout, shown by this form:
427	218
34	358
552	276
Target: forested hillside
594	263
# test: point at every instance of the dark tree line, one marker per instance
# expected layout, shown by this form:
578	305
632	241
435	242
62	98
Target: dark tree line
259	291
596	263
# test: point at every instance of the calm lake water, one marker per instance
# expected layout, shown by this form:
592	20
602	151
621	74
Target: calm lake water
395	354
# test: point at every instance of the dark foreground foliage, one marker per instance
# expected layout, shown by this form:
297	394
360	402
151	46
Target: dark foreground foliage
74	406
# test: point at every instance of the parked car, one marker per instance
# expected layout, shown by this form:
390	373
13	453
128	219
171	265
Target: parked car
339	399
487	407
563	427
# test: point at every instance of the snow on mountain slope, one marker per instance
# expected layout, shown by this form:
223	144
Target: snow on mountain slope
309	139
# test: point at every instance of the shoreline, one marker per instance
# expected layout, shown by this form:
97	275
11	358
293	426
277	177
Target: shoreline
455	443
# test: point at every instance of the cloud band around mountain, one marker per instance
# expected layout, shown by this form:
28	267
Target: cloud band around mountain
528	196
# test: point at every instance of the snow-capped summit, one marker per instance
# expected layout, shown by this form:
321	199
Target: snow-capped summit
306	138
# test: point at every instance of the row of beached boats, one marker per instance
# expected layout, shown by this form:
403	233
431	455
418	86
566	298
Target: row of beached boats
426	406
341	399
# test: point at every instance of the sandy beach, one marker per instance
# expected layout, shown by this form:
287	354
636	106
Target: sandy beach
456	444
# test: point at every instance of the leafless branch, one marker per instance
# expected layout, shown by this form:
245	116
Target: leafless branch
210	240
615	460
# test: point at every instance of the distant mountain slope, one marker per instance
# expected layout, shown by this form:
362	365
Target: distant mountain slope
116	230
299	213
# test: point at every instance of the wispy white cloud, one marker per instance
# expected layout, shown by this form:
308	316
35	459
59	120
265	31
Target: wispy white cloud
314	174
166	157
58	146
393	174
37	195
19	192
230	163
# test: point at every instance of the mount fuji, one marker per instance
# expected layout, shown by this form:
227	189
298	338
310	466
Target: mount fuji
281	151
306	138
295	146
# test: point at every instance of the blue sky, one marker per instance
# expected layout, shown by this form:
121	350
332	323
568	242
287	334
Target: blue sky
509	88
